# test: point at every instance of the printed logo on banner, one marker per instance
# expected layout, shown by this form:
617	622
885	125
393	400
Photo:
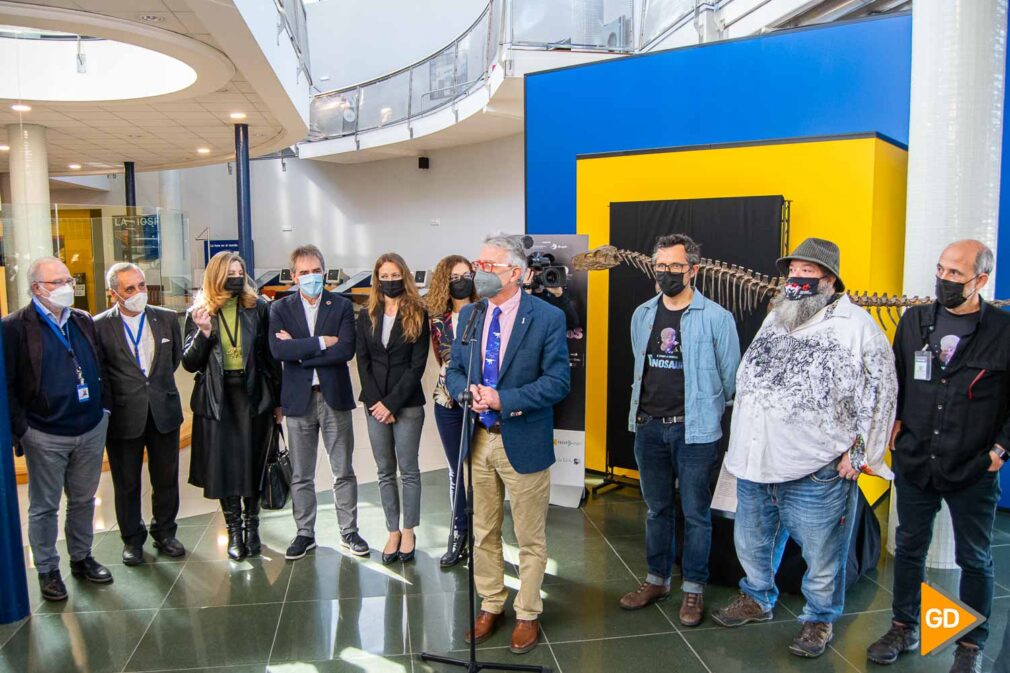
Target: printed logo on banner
943	619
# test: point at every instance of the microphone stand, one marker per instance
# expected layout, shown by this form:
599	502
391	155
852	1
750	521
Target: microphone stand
466	398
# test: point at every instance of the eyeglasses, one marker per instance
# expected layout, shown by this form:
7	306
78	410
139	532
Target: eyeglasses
489	267
59	282
674	268
460	276
390	276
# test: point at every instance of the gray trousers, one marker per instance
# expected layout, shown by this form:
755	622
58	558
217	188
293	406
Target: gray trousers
58	464
396	446
338	440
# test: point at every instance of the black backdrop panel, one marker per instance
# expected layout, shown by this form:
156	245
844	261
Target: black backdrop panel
745	231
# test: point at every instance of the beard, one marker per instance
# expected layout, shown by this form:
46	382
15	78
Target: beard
793	313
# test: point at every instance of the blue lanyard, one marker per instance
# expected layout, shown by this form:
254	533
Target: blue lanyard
64	337
136	340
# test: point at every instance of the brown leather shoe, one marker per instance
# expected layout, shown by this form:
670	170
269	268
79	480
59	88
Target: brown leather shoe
643	596
484	625
692	609
525	635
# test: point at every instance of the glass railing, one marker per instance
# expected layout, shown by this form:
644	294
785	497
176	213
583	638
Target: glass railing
89	239
659	16
293	21
463	65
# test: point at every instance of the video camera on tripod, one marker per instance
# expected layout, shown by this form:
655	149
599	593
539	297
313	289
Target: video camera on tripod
545	272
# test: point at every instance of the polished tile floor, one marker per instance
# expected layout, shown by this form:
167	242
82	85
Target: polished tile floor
334	613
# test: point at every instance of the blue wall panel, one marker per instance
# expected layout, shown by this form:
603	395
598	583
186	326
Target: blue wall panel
1002	290
838	79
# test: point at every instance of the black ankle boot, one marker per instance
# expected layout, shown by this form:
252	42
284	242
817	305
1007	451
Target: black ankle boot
232	508
251	516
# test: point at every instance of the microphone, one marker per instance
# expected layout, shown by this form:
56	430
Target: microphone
471	324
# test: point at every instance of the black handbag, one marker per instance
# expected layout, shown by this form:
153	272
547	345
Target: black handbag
275	484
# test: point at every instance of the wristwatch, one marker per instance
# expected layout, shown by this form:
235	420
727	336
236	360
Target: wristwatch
1001	452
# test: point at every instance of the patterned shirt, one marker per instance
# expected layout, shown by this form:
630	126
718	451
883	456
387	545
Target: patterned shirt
803	398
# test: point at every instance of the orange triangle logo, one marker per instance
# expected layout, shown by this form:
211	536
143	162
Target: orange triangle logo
942	619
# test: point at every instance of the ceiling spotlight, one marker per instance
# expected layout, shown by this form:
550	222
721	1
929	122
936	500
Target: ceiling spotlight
5	148
21	107
151	18
237	115
74	167
203	150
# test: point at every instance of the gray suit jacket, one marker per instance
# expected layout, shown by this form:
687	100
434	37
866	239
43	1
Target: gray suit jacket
133	394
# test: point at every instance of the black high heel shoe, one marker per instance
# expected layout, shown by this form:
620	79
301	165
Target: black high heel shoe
393	556
406	556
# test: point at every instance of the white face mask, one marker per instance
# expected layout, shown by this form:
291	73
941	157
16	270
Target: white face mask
62	297
136	303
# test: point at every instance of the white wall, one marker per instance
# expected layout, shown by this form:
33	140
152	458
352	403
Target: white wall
352	41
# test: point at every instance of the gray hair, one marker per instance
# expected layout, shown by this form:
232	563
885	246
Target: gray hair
512	245
984	260
33	269
692	249
112	275
307	251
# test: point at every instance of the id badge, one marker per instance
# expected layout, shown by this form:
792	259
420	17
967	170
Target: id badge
923	365
82	393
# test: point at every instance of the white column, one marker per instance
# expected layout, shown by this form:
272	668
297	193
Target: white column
955	130
32	227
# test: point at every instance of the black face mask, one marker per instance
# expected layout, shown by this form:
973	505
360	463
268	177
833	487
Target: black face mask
950	294
461	288
234	285
391	288
801	288
671	284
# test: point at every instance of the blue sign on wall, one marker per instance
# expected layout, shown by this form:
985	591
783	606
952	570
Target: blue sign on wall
843	78
211	248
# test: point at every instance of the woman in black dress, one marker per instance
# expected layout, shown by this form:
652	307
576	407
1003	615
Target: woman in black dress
235	397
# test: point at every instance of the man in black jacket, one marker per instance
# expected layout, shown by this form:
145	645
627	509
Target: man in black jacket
949	442
58	419
312	334
142	347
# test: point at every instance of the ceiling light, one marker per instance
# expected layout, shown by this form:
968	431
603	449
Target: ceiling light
151	18
203	150
74	167
21	107
237	115
5	148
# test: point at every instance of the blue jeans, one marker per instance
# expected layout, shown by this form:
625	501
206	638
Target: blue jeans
817	511
664	457
450	427
972	511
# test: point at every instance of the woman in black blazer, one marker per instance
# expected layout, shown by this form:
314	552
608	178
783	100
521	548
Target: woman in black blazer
235	398
392	351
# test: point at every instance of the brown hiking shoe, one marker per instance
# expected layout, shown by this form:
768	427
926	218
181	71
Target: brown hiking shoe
644	596
813	640
743	610
692	609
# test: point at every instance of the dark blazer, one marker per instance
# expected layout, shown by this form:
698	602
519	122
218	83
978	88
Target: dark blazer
301	353
23	360
204	356
391	374
134	394
534	375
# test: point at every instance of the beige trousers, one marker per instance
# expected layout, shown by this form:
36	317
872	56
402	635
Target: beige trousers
529	495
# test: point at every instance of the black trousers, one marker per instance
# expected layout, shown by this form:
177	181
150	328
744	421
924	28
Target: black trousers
126	460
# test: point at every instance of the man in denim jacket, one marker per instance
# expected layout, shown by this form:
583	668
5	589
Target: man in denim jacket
686	355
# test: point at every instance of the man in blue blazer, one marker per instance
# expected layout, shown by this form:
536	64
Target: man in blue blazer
519	370
312	334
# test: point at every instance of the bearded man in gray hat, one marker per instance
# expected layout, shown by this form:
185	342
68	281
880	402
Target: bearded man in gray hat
815	401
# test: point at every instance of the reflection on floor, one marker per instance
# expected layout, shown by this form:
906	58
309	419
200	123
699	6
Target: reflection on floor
334	613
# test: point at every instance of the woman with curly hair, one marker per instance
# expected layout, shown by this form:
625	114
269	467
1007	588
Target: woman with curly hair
392	351
451	289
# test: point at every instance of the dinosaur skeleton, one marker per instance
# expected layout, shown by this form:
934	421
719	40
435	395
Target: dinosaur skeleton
741	290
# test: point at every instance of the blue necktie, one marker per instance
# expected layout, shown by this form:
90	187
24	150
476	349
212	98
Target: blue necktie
492	357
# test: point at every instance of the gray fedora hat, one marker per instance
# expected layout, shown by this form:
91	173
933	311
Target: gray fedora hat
819	251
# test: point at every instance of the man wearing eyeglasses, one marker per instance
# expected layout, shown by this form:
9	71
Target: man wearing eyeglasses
686	354
519	371
58	419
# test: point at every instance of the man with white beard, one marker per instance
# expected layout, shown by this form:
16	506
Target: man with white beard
815	400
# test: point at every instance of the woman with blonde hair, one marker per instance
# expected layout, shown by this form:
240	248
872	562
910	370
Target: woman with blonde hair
392	351
235	398
451	289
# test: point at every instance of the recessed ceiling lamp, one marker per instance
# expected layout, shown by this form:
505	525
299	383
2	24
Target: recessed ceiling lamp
74	167
21	107
237	115
203	150
5	148
151	18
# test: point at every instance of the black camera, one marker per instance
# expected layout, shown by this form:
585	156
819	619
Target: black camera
545	272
